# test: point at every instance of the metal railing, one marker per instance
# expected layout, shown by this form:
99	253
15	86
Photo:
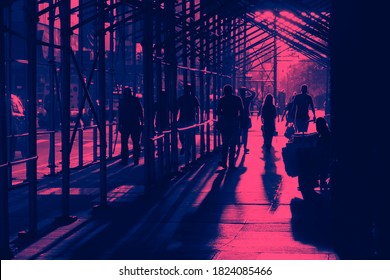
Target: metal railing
162	141
82	153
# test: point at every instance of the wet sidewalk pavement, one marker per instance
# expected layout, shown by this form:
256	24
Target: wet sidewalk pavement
253	212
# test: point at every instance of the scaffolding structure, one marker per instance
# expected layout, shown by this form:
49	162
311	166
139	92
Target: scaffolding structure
78	55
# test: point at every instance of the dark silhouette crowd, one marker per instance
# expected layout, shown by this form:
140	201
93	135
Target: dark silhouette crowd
311	154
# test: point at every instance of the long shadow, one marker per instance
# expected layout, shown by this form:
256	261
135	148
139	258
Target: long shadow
128	229
271	179
311	220
311	223
199	233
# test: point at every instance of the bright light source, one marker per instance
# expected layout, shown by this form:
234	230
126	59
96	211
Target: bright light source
287	14
268	15
264	16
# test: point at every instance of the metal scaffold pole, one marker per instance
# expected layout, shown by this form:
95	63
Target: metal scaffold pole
31	30
133	53
65	102
53	117
215	82
171	79
5	252
111	87
148	95
244	67
327	93
208	83
80	57
202	90
102	103
218	69
160	97
9	85
234	53
275	63
185	42
193	79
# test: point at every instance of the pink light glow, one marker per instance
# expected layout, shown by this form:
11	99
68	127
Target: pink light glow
267	16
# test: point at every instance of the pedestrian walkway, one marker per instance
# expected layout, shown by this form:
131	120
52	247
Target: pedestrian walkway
253	212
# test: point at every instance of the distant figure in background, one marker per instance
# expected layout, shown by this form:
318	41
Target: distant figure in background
281	103
268	116
289	112
188	113
230	111
131	119
302	102
247	96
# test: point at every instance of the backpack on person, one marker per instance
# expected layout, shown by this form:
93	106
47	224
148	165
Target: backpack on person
290	130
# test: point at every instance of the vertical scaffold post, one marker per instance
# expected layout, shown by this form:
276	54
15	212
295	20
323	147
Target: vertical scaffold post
185	42
275	62
147	49
171	79
9	84
102	102
133	52
233	31
215	84
31	31
65	100
160	97
111	87
193	34
208	82
244	72
201	85
5	251
53	117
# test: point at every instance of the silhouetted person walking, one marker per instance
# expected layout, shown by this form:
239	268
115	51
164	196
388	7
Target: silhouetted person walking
188	113
247	96
230	111
131	118
302	102
289	112
268	116
281	103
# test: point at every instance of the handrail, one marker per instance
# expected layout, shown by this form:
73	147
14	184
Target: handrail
159	136
95	125
27	134
18	135
52	131
23	160
45	132
195	125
